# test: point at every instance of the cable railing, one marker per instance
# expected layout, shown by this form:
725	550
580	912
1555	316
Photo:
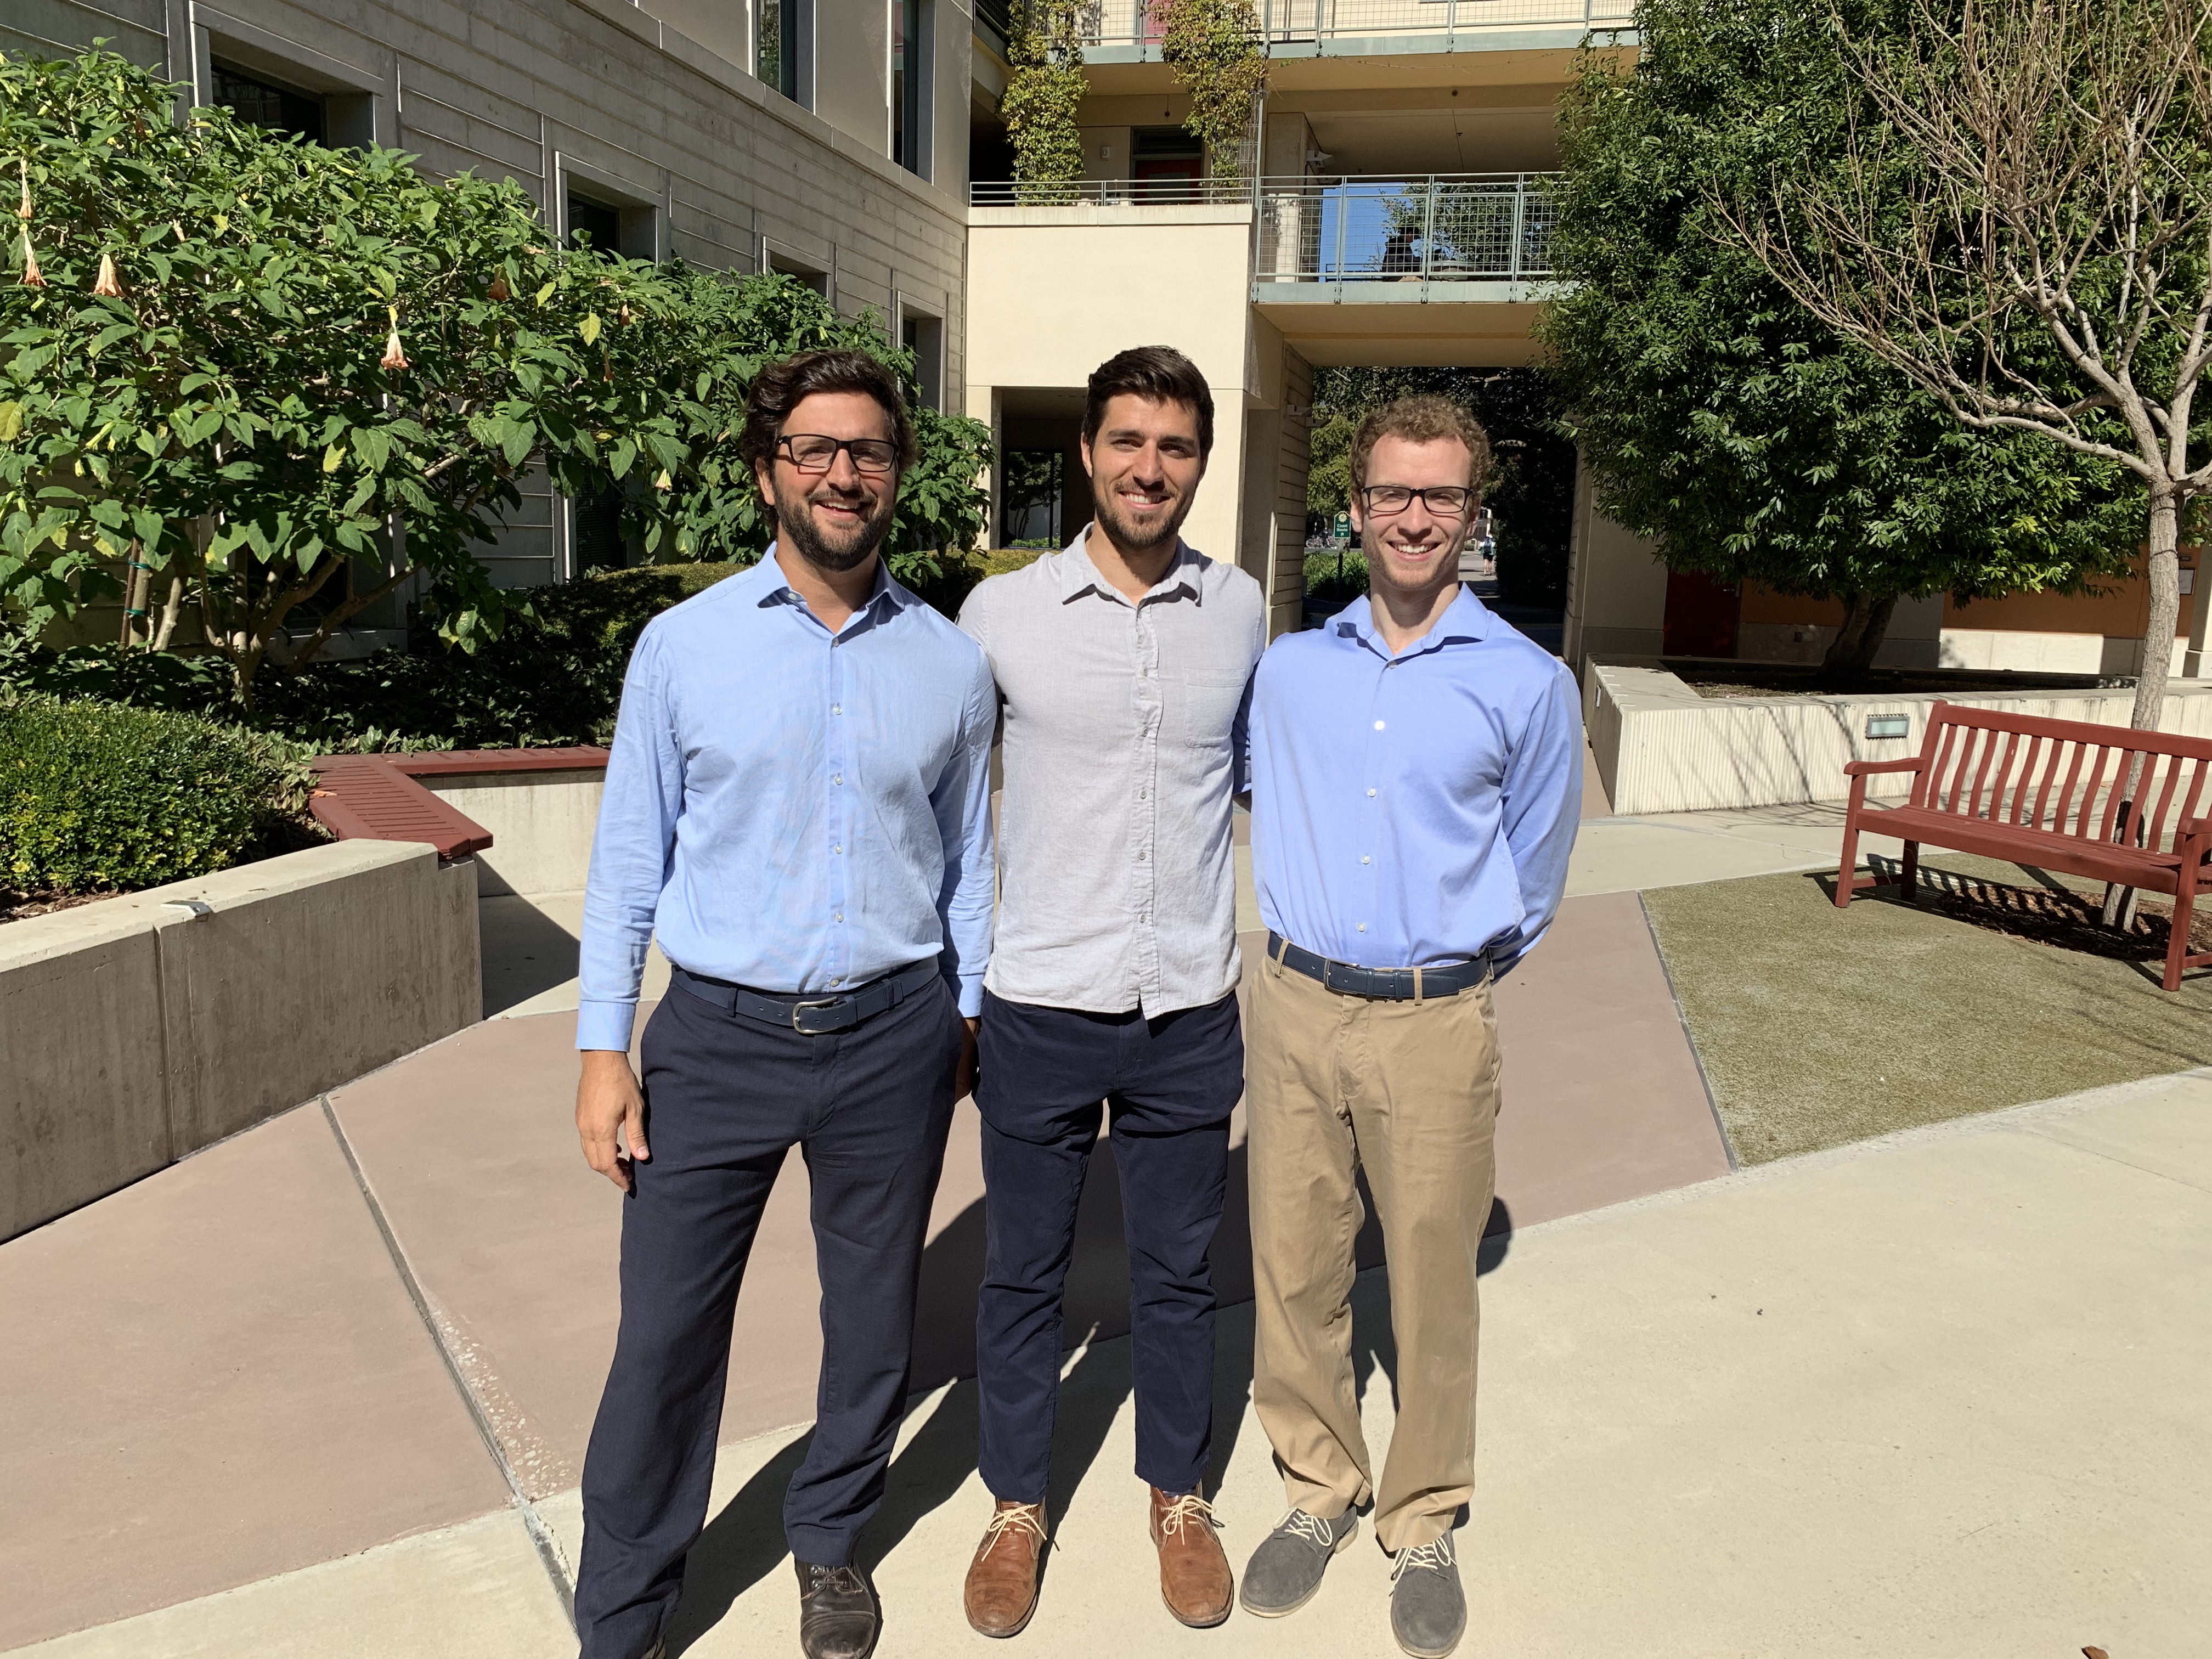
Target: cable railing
1110	192
1447	227
1292	22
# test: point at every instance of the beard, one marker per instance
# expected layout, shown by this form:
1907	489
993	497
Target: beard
1135	537
834	552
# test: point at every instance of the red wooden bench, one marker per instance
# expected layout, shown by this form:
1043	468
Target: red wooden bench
2048	793
376	797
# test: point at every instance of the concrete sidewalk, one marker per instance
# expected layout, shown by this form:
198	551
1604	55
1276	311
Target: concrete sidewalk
1943	1394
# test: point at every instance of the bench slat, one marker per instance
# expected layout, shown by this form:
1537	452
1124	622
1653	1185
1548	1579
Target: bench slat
2134	866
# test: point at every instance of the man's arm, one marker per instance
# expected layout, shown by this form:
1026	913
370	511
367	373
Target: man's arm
630	850
961	802
1541	810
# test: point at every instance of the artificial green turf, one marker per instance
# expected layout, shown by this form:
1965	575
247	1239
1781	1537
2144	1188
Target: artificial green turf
1819	1026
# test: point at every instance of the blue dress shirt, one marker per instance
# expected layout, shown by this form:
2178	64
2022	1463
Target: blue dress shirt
789	809
1414	810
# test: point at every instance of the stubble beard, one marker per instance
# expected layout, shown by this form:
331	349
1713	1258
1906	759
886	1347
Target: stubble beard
1445	576
1129	536
795	523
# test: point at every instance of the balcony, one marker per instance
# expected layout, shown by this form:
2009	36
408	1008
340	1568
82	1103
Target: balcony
1124	30
1464	237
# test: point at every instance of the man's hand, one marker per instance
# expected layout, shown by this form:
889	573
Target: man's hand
964	1080
610	1109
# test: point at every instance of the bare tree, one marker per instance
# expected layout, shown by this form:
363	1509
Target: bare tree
2050	269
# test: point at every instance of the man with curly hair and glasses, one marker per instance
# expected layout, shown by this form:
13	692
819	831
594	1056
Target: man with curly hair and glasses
798	806
1416	782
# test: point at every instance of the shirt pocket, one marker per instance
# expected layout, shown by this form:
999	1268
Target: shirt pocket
1202	705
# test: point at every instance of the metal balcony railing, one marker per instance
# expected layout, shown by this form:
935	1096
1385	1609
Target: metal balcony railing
1447	228
1291	22
1110	192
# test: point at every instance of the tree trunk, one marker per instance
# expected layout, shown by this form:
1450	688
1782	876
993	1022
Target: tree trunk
1851	653
2165	612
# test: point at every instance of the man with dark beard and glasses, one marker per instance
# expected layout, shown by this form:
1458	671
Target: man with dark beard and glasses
1121	666
798	805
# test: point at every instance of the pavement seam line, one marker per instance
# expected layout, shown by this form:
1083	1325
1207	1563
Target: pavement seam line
541	1536
1689	1037
2111	1156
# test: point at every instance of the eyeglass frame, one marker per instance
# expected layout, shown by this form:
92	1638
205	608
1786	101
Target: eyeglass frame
1421	494
844	446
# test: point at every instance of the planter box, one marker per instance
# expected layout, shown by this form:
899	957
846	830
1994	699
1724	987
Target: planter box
137	1029
1662	748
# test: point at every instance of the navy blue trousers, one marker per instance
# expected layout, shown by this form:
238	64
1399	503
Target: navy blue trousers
1169	1085
725	1098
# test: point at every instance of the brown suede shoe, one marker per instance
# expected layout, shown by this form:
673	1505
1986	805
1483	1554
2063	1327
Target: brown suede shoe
1002	1580
1194	1577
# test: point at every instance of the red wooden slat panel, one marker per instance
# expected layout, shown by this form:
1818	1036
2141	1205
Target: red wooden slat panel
365	798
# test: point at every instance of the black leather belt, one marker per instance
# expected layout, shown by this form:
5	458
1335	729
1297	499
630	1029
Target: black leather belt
1383	984
811	1016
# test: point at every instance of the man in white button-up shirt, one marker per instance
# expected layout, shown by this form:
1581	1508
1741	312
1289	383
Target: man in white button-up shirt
1122	665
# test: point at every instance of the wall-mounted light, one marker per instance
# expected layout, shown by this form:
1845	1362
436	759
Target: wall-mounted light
1889	725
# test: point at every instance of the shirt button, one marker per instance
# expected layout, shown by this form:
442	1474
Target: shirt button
1363	925
838	708
1378	726
840	850
1363	857
1141	857
838	777
1370	794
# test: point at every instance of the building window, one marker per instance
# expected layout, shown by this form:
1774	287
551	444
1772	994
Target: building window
263	104
777	49
925	338
596	516
593	225
910	82
1171	159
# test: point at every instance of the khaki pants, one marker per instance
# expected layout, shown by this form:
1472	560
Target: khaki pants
1409	1091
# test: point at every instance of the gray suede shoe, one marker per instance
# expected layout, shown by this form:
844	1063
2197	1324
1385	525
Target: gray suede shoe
1428	1609
1285	1570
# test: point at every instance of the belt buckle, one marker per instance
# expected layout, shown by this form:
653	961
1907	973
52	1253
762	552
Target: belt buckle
798	1009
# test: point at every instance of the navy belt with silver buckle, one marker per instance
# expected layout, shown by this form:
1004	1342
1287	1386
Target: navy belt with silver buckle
810	1016
1381	984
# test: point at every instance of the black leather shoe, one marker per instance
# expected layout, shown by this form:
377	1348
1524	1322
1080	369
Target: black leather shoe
838	1617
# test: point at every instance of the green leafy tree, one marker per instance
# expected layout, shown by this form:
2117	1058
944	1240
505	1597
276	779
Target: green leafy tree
1213	47
1720	419
1044	89
234	363
1531	489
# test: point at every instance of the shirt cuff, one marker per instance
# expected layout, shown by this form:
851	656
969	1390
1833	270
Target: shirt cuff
968	990
605	1024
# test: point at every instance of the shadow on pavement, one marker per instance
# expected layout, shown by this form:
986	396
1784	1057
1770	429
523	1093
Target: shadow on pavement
743	1543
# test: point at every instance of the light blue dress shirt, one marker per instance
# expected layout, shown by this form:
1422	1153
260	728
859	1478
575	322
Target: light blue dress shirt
789	809
1414	810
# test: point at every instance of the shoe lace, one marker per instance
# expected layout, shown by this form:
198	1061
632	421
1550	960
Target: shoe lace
1023	1517
1298	1524
846	1580
1436	1556
1185	1510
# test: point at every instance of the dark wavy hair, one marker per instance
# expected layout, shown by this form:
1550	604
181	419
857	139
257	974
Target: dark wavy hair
782	385
1159	374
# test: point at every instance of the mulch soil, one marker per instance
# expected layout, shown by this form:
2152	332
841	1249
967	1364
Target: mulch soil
18	906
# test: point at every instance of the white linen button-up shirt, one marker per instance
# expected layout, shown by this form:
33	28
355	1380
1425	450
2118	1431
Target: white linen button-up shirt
1122	727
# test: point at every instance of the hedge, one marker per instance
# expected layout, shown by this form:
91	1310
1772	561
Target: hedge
98	797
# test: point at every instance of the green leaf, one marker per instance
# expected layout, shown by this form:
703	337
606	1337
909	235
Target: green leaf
589	328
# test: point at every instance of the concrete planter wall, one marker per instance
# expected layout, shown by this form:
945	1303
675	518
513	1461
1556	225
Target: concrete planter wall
541	825
137	1029
1661	748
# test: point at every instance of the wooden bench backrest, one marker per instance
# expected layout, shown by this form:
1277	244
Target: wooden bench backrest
2062	776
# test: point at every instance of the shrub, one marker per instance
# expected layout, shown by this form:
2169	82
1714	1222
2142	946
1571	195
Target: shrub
97	796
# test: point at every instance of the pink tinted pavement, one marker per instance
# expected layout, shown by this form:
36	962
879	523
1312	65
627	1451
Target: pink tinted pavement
232	1381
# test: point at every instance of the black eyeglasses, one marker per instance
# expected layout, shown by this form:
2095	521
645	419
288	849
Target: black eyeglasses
1445	501
810	452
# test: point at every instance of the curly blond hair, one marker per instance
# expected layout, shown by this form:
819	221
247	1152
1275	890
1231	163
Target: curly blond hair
1424	417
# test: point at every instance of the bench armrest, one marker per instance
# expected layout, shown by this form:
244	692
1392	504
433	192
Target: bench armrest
2191	829
1860	768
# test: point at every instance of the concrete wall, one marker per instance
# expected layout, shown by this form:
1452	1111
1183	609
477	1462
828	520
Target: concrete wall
541	825
1659	747
1063	288
135	1032
1616	587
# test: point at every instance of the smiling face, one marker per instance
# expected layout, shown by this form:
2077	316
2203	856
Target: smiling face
1145	466
1415	550
834	519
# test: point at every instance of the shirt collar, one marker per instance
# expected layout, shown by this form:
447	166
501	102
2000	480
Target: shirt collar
885	598
1466	619
1079	577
